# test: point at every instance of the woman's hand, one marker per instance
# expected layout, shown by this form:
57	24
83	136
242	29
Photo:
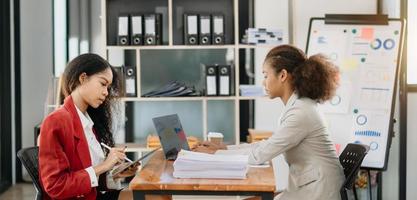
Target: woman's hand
208	147
116	155
131	171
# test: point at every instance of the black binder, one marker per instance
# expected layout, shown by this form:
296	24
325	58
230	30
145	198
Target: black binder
190	29
153	29
123	30
218	29
136	22
211	80
205	29
130	81
224	79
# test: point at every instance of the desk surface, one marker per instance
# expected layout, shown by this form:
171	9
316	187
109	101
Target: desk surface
157	175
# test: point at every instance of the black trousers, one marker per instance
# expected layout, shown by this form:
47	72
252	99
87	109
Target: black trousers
108	195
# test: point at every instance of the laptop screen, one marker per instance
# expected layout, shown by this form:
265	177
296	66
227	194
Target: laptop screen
171	135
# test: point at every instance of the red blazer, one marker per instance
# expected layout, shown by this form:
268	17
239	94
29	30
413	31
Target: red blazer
64	155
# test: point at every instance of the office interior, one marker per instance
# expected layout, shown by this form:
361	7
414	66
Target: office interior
38	38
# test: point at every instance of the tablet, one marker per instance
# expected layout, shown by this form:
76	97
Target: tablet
126	165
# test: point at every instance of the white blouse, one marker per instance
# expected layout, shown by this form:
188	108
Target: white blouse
96	152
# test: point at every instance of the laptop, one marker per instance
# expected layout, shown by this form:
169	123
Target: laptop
171	135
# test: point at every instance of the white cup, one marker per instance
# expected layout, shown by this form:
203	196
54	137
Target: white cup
215	137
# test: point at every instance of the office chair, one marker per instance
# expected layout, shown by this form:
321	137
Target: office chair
29	159
351	160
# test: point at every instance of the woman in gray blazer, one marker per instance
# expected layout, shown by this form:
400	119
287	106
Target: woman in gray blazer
302	136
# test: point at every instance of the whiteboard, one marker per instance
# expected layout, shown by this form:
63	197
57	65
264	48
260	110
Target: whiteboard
368	59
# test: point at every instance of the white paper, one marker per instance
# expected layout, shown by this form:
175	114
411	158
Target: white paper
123	24
137	25
211	85
224	85
202	165
192	24
130	86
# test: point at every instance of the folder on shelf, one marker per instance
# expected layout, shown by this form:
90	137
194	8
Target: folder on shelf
153	29
218	29
136	27
190	29
123	30
130	81
205	29
211	80
172	89
224	80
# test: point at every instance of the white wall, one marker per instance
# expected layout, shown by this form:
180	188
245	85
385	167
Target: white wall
305	9
412	146
36	63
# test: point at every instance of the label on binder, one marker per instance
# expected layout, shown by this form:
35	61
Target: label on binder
211	85
130	86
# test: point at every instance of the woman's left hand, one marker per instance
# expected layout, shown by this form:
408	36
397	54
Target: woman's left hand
131	171
204	149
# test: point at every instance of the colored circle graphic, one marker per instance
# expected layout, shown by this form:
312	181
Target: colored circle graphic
389	44
373	146
376	44
361	120
354	31
363	60
335	100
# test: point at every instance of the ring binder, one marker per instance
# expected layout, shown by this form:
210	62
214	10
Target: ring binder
205	29
130	81
218	29
224	80
123	30
211	80
136	27
190	29
153	29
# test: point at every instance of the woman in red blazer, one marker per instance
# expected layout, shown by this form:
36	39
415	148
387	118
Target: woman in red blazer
71	162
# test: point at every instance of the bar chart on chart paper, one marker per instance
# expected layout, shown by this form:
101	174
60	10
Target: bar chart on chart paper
377	98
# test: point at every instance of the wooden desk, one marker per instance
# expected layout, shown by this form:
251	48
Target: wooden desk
156	178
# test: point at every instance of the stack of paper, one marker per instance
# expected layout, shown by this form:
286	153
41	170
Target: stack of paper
202	165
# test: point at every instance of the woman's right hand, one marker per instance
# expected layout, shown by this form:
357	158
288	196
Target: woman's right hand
115	156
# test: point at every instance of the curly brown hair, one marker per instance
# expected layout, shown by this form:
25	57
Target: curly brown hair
102	116
314	77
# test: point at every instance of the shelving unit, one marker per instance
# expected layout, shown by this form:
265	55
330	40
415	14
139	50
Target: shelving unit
172	12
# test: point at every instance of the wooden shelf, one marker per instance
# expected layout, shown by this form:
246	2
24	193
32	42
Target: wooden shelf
252	98
162	47
129	99
177	98
253	46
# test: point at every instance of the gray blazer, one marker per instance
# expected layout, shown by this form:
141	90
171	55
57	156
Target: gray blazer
302	137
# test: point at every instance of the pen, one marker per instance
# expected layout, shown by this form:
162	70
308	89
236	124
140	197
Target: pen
108	148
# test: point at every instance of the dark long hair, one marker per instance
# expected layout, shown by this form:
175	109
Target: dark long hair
314	77
102	116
